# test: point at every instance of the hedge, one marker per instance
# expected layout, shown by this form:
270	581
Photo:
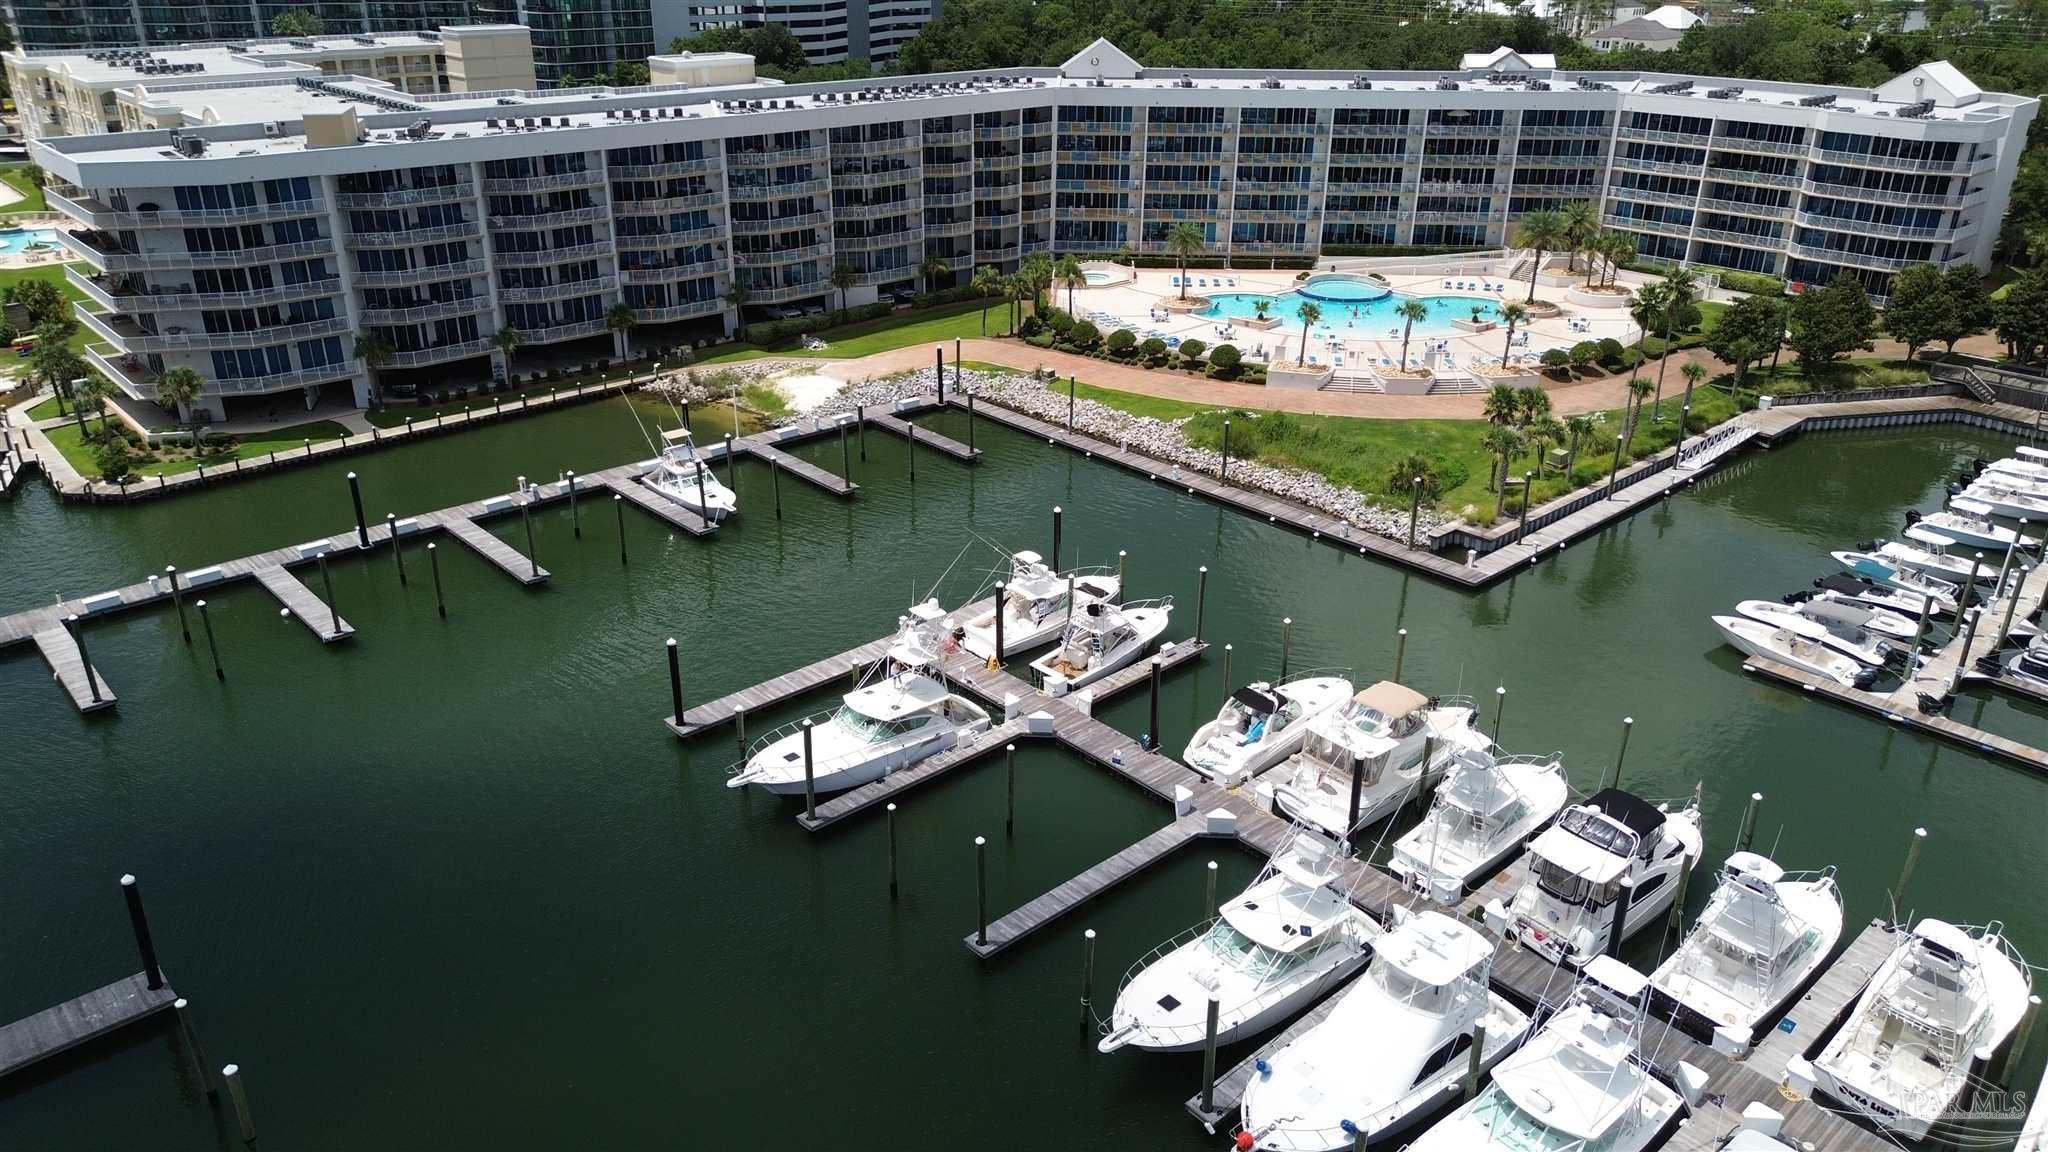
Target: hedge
768	332
1394	249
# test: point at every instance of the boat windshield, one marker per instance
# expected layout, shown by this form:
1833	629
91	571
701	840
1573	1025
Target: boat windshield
1507	1126
1368	719
870	730
1236	950
1327	752
1568	885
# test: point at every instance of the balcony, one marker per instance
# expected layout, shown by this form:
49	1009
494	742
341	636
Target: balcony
1742	208
589	178
1277	246
1436	188
127	336
115	260
421	357
782	256
814	154
951	139
562	291
785	293
168	300
1748	176
1355	130
1858	259
1273	216
1891	163
1657	136
663	171
539	220
1252	128
755	192
1175	128
1551	161
548	256
1746	239
1095	155
781	224
1075	212
877	243
1694	170
996	163
1450	217
1388	188
1682	199
434	273
555	334
947	199
97	214
421	313
878	211
1577	131
656	241
1003	254
408	197
955	168
1882	195
673	312
1362	215
1764	147
281	381
875	277
694	202
413	237
126	372
999	132
1868	228
934	228
1659	227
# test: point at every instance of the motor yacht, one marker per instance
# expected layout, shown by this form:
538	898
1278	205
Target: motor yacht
1967	523
1764	934
1582	1082
1843	627
1285	941
1890	573
681	475
1261	724
1797	642
1034	604
1393	1048
904	716
1566	907
1898	611
1947	997
1371	748
1100	639
1485	810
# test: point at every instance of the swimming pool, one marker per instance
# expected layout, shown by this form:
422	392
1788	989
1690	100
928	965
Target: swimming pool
18	239
1369	318
1100	276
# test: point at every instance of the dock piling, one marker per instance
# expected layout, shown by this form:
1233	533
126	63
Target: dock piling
1969	641
860	419
2012	602
355	495
1920	632
434	562
675	683
739	721
232	1074
810	776
1400	651
1201	598
1152	714
1286	646
1056	515
970	421
1618	927
92	678
845	459
1223	472
1747	831
1359	1136
892	850
1475	1060
575	521
1010	808
327	583
182	1008
2016	1048
1226	670
1070	402
1678	450
981	890
1614	469
1522	527
619	507
178	599
939	354
132	893
1087	974
995	659
1906	873
1414	510
1209	893
397	553
1209	1058
1677	919
732	479
1500	705
775	481
703	503
910	449
526	517
1122	562
1628	724
212	649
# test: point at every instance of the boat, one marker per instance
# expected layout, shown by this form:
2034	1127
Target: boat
1888	602
1765	933
1923	551
1260	725
2024	469
1035	604
1885	571
1582	1082
1394	1048
904	716
1798	643
2030	664
2006	498
1485	810
1842	627
1566	907
1967	523
681	475
1947	997
1286	940
1836	611
1371	748
1098	640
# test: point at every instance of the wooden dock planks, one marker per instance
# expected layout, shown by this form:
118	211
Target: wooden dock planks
508	559
1228	1095
79	1021
652	503
60	651
779	690
801	469
925	436
1015	926
857	800
316	614
1989	743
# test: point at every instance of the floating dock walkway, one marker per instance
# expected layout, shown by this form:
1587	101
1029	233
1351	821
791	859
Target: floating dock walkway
924	436
800	468
80	1021
86	687
316	614
506	558
626	482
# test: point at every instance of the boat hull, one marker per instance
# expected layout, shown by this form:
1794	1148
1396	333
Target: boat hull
1229	1030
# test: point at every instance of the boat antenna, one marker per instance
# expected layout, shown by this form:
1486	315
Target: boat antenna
942	576
643	428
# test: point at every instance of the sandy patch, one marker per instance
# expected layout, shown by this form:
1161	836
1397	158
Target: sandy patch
807	391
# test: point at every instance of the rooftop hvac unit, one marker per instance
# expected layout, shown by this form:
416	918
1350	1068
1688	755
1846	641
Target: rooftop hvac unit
1918	110
491	122
273	129
1723	93
1673	89
191	146
1817	101
1447	85
1539	85
1361	84
1270	82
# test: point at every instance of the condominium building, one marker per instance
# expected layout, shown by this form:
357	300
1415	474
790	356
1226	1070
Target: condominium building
80	24
65	92
831	31
578	39
255	251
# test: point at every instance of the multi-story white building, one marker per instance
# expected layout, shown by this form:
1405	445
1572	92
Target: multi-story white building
831	31
82	24
255	251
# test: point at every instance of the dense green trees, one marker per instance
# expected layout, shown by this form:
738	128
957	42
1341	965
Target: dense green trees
1829	323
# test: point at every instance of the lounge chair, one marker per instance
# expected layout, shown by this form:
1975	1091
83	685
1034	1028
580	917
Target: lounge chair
1173	280
1447	283
1233	281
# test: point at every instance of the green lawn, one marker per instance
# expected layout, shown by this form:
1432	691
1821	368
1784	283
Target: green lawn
1136	405
1854	372
961	321
54	273
172	462
17	178
46	409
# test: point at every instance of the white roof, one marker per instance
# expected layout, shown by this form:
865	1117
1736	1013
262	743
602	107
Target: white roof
1612	973
1936	80
1578	856
1101	61
1505	59
1674	17
1433	948
896	697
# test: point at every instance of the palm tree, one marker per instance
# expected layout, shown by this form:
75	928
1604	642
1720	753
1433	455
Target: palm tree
1071	276
737	295
1514	314
1694	372
1638	389
1531	405
90	393
1680	289
1644	306
1581	223
1542	435
1309	314
1015	288
1410	311
1501	405
374	351
1617	248
178	389
1579	429
1183	240
1596	246
1502	444
985	283
620	318
844	276
1542	230
1038	273
932	269
1261	306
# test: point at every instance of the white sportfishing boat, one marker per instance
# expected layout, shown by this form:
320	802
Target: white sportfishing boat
1888	572
1898	611
2008	498
2021	469
681	475
1764	934
1842	627
1923	551
2031	663
1967	523
1261	724
1799	643
1946	997
1394	1047
1289	938
1100	639
1581	1083
1035	604
1565	909
1373	747
1485	810
904	716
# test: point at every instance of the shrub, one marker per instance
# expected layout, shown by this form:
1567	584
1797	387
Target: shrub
1084	335
1611	351
1042	339
1754	283
1121	342
768	332
1154	351
1225	361
1030	327
1584	353
1061	322
1193	349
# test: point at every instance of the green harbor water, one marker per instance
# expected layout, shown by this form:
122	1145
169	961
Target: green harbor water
453	884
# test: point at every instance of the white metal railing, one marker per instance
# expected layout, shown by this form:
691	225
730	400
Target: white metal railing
671	312
407	238
420	313
560	332
1867	227
1910	164
100	215
1861	260
656	241
1660	136
1682	199
1723	236
1639	225
555	219
1743	208
589	178
666	275
119	261
746	227
783	255
438	355
1772	147
546	256
663	170
1882	195
779	191
427	274
546	292
817	153
129	337
166	299
404	197
1634	164
871	243
689	203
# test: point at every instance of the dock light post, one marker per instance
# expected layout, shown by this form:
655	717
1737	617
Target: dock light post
1906	873
232	1075
355	495
1414	510
957	385
1152	717
775	480
1286	646
1628	724
1618	928
732	481
619	508
1614	469
1969	641
397	553
1209	897
1056	514
892	850
132	893
434	562
970	422
1209	1058
1678	454
1475	1061
178	600
675	682
1087	974
327	585
1400	651
981	891
182	1008
1223	473
1122	561
703	504
995	656
1500	705
810	778
1010	807
212	649
1747	831
1201	597
575	521
939	353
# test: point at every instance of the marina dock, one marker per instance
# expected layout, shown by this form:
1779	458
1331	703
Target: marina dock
80	1021
625	482
758	447
316	614
86	687
925	436
506	558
